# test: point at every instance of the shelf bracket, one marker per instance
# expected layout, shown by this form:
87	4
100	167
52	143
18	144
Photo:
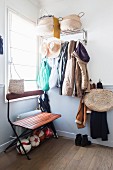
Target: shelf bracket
85	37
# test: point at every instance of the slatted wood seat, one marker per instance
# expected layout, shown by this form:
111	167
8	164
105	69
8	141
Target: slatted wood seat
30	123
36	121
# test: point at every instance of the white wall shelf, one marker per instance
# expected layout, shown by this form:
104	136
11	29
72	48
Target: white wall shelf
69	32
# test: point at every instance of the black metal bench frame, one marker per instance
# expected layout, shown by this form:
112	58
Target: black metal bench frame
27	130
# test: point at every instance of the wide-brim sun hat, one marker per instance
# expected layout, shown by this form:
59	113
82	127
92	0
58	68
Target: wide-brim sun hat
44	49
99	100
54	48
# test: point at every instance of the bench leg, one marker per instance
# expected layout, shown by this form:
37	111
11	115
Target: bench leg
15	141
12	144
18	139
54	130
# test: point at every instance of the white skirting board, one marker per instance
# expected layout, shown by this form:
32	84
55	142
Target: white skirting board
95	141
3	146
69	136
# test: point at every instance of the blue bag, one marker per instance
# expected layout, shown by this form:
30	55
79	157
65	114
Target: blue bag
44	74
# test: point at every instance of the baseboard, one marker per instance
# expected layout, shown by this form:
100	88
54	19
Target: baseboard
3	146
66	134
108	143
104	143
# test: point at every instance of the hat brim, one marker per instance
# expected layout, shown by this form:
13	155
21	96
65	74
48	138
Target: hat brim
54	51
53	55
99	100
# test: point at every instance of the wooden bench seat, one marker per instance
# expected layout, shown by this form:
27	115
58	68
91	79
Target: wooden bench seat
36	121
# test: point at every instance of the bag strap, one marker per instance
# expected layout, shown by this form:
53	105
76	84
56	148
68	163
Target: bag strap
12	64
43	12
81	14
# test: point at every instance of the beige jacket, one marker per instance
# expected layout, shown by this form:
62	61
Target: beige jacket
69	79
81	76
76	80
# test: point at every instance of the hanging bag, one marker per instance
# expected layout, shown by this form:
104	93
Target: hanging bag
1	45
16	85
44	74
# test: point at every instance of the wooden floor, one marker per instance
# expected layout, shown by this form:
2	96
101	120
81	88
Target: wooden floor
60	154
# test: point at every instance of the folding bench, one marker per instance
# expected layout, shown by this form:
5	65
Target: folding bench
30	123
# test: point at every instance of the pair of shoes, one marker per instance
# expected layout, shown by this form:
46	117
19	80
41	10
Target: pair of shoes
85	141
78	140
82	140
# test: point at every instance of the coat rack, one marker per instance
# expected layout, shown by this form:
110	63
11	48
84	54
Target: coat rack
70	32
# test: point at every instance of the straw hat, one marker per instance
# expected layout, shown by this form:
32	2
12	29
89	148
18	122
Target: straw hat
44	49
99	100
51	49
54	47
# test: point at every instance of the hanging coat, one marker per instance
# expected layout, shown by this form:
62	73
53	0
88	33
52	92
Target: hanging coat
81	115
81	76
62	65
98	125
69	79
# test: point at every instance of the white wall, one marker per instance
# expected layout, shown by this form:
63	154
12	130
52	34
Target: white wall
2	33
24	7
98	22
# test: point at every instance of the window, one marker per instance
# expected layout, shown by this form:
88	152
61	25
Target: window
22	50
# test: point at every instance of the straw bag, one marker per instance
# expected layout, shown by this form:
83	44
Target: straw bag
71	22
100	100
16	85
48	25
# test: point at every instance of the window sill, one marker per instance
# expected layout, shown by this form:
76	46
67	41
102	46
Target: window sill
26	95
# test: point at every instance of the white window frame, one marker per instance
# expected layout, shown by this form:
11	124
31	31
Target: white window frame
7	50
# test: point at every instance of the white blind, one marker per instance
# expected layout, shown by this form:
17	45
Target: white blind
22	49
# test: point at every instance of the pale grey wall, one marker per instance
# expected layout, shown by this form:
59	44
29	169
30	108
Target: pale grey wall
65	126
68	107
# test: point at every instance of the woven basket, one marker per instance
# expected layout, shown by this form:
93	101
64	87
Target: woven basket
71	22
99	100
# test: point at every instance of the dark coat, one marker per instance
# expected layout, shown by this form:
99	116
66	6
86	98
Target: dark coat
82	53
98	125
62	65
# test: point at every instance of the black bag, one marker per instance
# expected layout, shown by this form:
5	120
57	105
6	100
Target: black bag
43	102
1	45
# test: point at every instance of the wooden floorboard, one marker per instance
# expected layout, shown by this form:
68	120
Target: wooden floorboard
60	154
